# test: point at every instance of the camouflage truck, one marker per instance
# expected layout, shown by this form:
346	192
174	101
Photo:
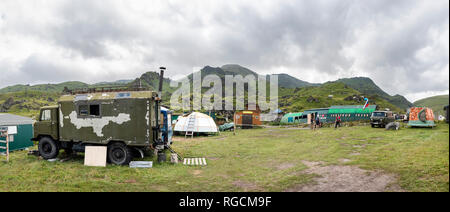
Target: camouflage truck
381	118
124	121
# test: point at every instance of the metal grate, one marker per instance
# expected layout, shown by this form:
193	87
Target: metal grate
195	161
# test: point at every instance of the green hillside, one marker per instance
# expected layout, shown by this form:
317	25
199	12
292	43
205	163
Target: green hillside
27	103
363	85
326	95
111	84
57	88
45	87
436	103
150	80
368	87
294	94
237	69
284	80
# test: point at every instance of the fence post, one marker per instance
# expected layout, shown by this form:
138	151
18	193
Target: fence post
7	147
234	121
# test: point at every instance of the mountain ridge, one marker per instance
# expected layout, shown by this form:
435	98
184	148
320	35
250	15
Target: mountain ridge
363	85
367	86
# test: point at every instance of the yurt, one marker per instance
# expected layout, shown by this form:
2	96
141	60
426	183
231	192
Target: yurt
196	123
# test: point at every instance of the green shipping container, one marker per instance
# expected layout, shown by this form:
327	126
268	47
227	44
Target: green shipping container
24	127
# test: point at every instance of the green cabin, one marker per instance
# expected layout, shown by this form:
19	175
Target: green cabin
291	118
20	130
350	112
321	112
328	115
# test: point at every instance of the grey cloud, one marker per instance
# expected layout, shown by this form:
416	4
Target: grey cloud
38	68
296	35
88	25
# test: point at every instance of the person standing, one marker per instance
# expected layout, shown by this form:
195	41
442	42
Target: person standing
312	121
337	122
317	121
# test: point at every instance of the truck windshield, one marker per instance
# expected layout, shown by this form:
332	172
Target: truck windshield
378	113
46	115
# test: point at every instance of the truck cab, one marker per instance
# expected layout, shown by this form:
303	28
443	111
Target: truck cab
47	124
381	118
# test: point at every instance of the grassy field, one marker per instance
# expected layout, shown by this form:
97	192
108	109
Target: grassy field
267	159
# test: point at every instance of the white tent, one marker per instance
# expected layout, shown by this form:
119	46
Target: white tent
202	123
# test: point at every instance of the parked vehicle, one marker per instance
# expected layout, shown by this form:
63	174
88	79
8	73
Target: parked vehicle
124	121
381	118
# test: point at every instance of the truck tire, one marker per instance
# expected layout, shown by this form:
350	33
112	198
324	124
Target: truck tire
48	148
119	153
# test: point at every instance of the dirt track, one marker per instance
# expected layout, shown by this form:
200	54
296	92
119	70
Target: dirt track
342	178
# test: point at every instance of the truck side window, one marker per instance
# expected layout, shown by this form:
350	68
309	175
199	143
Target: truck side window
83	110
46	115
94	110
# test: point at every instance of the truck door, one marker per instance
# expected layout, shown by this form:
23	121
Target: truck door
48	123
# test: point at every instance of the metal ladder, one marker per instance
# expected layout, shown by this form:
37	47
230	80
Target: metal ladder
4	133
190	127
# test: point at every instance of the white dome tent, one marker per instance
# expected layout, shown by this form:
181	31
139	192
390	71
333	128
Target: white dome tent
196	123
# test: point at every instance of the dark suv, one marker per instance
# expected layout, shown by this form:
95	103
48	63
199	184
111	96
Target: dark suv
381	118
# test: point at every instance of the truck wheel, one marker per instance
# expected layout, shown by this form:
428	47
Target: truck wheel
119	153
373	125
48	148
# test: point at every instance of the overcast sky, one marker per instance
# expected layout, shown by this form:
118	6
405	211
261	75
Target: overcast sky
402	45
